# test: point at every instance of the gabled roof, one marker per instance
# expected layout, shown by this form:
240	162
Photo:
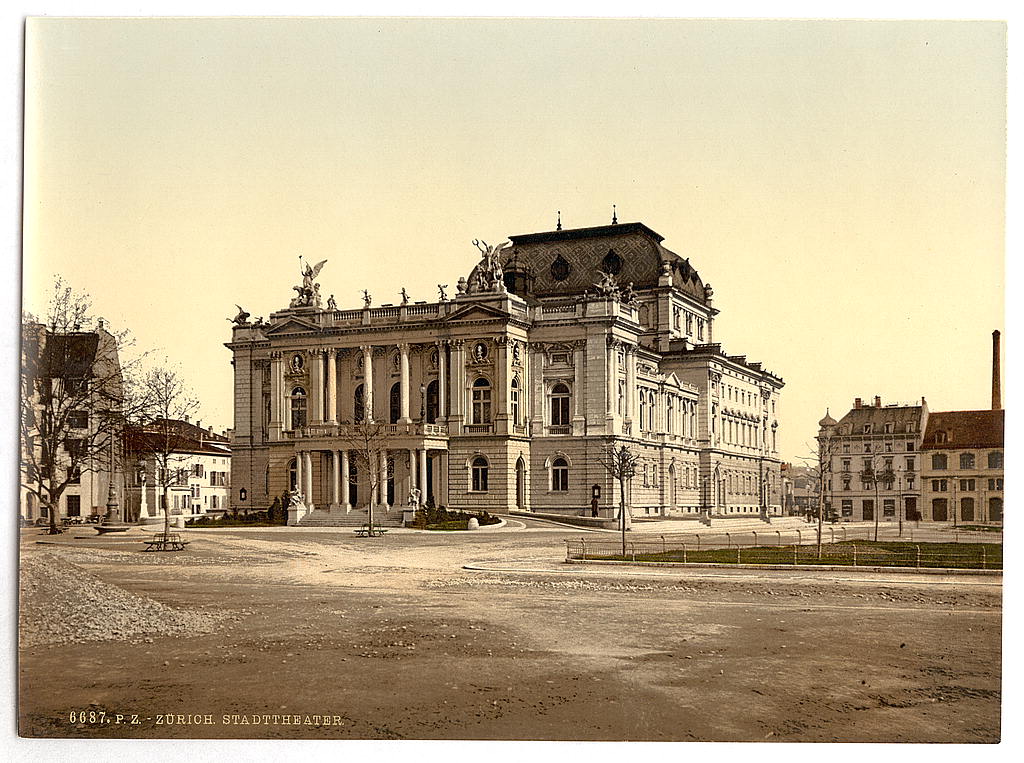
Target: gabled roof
178	436
964	429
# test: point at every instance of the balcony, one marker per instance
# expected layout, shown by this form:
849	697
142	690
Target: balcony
349	431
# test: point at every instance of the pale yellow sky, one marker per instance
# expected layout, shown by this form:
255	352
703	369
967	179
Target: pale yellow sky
841	184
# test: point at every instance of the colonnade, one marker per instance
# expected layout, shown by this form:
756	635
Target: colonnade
322	387
338	493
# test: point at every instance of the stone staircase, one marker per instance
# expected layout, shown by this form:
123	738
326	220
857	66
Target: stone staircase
353	518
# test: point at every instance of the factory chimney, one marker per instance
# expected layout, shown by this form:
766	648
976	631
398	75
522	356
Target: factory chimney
997	402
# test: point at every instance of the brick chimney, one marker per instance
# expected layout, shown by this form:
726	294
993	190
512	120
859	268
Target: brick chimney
997	398
856	402
878	401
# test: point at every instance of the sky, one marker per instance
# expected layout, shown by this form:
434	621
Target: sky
841	184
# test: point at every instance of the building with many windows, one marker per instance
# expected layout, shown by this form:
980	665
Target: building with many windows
875	461
555	346
962	467
70	429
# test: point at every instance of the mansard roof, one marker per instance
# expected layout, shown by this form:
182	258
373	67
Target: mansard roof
964	429
570	261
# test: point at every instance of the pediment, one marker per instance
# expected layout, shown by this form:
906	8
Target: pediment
292	325
477	313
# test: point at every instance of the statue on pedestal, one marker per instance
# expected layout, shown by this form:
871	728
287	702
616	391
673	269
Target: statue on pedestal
308	294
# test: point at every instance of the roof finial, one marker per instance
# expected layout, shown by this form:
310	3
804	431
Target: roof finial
559	226
615	219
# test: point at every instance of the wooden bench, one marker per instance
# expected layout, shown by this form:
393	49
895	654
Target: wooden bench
168	542
367	531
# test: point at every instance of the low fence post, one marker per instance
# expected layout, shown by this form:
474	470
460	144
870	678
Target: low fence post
728	540
755	536
982	557
698	541
795	547
918	555
663	544
583	544
779	533
799	537
831	535
844	533
854	554
684	553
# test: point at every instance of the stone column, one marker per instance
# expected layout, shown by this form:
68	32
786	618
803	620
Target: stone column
536	396
307	473
458	387
368	382
579	421
442	382
276	396
441	499
332	386
345	476
404	394
412	468
423	472
500	402
335	480
631	397
300	483
316	388
383	479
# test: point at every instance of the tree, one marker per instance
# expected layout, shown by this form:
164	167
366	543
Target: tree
621	463
158	434
367	442
819	463
72	398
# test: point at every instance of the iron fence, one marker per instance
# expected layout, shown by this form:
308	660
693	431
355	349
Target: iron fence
735	551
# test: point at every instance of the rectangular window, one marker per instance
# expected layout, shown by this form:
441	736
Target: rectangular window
996	484
939	486
967	486
74	506
888	447
995	460
846	449
847	508
78	419
939	461
889	507
910	464
910	446
846	464
867	447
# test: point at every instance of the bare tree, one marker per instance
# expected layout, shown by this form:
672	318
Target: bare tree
621	463
368	441
819	464
72	398
160	436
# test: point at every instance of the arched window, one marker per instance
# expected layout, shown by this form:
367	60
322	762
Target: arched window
481	401
359	404
432	402
559	405
479	474
395	403
670	415
966	460
643	411
939	461
514	401
292	484
560	475
995	459
298	408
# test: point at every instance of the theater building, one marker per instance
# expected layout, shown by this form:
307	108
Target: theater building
505	395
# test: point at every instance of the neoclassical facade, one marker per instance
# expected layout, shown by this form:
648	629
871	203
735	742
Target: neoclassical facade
505	395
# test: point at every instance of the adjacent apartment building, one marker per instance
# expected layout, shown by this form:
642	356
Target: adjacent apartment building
875	461
962	467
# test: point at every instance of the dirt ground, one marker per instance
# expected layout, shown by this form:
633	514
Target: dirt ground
323	635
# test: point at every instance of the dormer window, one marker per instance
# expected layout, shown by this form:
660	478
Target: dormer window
941	437
612	263
889	427
867	429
